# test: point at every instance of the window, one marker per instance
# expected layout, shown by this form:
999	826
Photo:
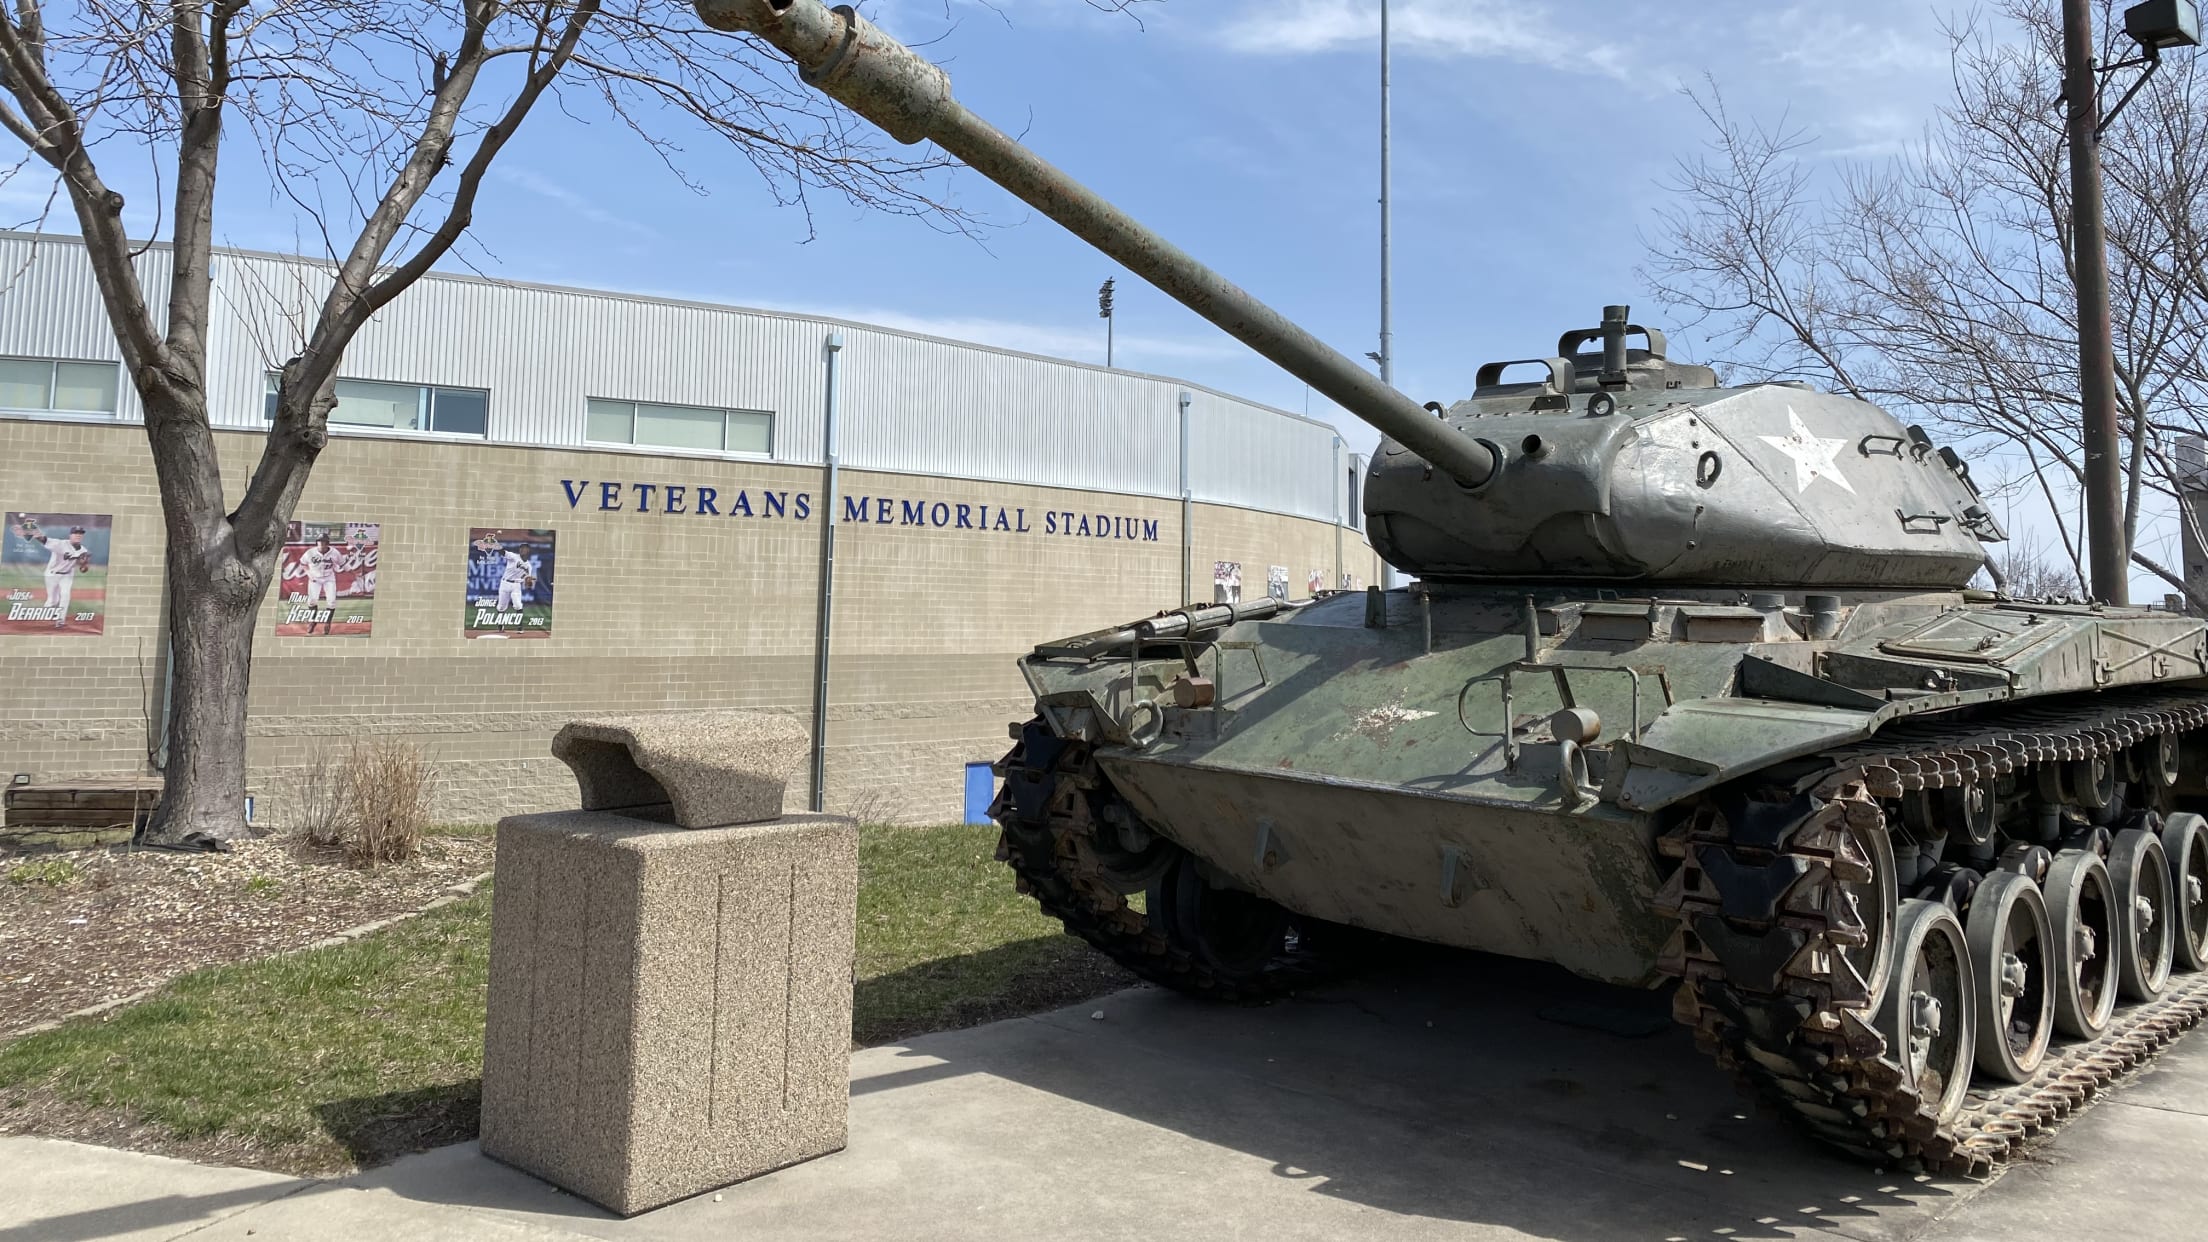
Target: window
698	428
1356	514
404	407
63	387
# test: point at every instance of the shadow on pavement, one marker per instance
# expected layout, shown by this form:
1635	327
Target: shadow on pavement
1458	1087
1439	1091
162	1213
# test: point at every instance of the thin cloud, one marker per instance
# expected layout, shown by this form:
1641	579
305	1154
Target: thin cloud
1084	345
1822	47
578	206
1521	31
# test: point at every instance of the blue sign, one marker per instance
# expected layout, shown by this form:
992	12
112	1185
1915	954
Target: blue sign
676	499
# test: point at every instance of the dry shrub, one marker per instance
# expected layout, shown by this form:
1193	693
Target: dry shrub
384	789
878	804
318	800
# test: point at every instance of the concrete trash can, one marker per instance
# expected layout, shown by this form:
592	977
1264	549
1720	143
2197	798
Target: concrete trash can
670	1002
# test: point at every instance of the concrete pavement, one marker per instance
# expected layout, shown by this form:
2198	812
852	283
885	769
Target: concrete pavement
1457	1097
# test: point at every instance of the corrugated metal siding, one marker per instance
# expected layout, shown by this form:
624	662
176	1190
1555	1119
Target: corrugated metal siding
50	304
257	320
910	403
541	353
1243	454
918	405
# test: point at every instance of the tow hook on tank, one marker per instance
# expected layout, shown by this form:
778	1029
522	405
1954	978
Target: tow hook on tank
1143	723
1568	732
1575	728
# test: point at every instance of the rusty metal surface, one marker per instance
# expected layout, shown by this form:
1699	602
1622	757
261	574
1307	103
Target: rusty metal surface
1802	1035
1379	764
1574	890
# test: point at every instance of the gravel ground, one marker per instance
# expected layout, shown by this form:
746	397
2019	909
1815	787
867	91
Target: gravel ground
129	920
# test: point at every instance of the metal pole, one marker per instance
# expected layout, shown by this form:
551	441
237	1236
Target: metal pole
848	58
1341	500
1387	336
1107	342
1188	530
2104	484
827	605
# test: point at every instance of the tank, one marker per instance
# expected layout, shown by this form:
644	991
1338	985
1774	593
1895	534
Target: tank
1691	690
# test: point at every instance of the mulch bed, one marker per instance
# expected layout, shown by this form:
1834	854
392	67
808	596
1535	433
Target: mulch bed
132	919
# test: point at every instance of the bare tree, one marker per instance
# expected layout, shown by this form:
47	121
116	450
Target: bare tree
379	120
2026	571
1940	282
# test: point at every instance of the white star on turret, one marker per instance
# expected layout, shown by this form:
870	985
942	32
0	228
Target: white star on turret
1812	455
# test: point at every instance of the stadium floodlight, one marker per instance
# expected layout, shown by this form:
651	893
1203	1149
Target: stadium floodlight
2158	24
2154	25
1104	312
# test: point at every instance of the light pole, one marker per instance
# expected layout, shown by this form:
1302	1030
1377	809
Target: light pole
1387	336
2154	25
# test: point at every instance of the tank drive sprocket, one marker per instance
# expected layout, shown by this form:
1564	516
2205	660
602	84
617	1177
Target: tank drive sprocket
1829	993
1055	811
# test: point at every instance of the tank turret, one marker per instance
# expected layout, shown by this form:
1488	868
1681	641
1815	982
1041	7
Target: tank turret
1618	464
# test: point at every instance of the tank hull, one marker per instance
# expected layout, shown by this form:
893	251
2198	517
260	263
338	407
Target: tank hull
1866	834
1388	761
1575	890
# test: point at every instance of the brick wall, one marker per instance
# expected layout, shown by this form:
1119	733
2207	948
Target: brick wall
654	610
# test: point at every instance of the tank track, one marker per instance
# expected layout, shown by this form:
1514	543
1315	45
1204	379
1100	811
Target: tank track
1760	949
1046	810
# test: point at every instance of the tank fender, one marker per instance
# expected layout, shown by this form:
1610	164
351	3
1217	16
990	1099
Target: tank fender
1701	743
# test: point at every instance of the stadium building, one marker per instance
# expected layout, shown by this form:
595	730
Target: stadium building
539	503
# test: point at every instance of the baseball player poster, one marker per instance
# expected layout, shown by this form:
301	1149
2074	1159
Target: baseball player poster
509	583
1276	582
1226	582
326	580
53	573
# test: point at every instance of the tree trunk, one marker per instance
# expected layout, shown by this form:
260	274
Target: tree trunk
214	598
210	659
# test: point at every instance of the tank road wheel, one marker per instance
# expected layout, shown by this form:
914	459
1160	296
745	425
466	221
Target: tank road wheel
2081	904
2142	877
2185	843
1861	898
1237	934
1876	900
2011	961
1927	1016
2157	762
2093	782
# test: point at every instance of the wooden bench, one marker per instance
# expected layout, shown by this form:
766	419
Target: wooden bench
75	812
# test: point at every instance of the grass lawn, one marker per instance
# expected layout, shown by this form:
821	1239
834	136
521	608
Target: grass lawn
331	1058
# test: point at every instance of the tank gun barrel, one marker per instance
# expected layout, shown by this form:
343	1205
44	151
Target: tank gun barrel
845	57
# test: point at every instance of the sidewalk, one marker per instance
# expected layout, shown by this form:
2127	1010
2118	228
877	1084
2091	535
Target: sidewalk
1465	1098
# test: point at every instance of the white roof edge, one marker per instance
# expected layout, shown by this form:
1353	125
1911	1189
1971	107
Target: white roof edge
694	304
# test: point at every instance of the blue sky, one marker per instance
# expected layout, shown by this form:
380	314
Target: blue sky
1531	141
1530	137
